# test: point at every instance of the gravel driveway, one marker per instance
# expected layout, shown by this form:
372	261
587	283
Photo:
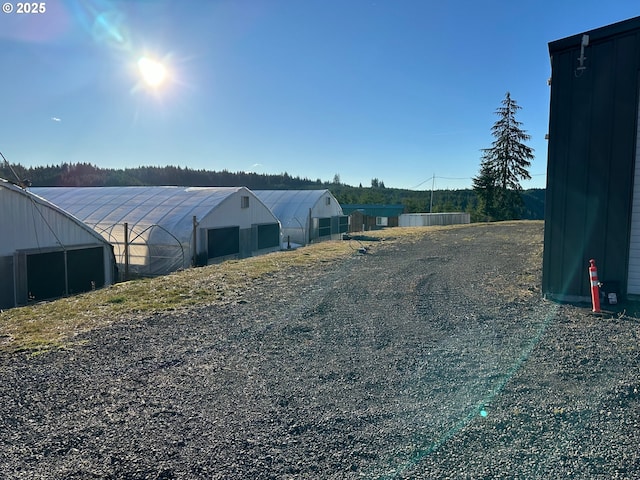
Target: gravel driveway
423	359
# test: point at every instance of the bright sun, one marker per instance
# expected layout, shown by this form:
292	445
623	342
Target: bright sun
153	72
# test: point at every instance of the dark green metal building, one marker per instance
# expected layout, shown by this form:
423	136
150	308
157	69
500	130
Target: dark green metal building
372	216
593	189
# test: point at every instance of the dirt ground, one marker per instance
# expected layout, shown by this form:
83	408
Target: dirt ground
423	359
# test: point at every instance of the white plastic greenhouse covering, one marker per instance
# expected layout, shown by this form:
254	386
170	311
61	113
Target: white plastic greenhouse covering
159	219
300	210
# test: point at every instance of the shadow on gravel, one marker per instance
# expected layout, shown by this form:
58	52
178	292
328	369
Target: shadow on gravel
362	238
628	309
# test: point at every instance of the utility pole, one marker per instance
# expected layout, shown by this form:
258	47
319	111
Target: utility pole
433	184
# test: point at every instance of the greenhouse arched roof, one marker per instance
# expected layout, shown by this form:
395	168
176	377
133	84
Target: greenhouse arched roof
170	207
295	204
54	223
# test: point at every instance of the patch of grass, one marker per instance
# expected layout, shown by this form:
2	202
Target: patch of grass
56	324
117	299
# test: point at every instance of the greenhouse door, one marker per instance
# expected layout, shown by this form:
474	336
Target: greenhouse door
55	274
223	241
268	235
85	268
324	227
343	224
46	277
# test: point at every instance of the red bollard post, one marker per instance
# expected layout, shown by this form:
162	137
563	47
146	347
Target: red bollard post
595	286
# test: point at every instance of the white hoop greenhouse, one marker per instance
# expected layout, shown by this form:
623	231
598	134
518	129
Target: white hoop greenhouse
305	215
45	252
170	228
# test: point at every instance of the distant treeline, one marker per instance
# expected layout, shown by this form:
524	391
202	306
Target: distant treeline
88	175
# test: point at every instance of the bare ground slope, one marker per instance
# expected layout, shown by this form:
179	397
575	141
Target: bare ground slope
429	357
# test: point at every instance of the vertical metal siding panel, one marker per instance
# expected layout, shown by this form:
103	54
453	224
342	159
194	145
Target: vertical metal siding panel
564	183
601	64
633	285
568	150
554	202
622	151
580	200
427	219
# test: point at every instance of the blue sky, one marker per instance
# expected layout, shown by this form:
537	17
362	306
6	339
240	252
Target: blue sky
399	90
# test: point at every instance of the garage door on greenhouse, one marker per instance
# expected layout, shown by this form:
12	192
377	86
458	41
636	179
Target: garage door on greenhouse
268	235
45	275
85	269
324	227
223	241
57	273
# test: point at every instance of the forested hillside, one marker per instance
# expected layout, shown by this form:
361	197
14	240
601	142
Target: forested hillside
88	175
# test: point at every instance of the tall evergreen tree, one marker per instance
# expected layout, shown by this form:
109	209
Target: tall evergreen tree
504	164
484	186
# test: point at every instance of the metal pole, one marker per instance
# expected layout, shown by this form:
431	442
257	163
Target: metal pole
194	257
126	251
66	273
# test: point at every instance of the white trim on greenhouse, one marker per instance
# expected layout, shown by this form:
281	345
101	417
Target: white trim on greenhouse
45	252
305	215
228	222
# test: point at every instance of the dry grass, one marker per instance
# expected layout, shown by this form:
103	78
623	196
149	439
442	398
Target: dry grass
55	324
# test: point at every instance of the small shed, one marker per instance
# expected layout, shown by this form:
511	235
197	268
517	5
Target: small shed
592	207
306	215
429	219
373	216
157	230
45	252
